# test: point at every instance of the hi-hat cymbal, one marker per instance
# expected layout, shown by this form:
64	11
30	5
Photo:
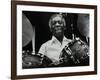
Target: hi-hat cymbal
27	30
83	24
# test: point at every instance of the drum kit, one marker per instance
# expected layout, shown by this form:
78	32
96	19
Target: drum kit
75	53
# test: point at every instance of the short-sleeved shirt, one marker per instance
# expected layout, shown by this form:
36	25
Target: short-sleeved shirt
52	48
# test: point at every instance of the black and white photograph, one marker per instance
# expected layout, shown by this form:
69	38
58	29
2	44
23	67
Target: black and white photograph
52	40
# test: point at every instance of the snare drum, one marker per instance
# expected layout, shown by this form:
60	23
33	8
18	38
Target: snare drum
35	61
75	53
31	60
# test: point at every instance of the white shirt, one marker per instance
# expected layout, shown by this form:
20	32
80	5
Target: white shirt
52	48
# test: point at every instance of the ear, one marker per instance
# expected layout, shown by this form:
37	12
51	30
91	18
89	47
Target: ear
64	27
50	29
64	24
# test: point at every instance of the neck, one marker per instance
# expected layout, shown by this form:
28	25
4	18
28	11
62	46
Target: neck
60	38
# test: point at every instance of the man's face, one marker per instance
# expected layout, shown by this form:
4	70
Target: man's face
57	25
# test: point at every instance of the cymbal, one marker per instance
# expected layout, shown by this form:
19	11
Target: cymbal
83	24
27	30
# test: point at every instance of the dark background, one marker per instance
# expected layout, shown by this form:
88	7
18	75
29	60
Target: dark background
42	32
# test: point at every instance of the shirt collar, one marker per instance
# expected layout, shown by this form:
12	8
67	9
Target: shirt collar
54	39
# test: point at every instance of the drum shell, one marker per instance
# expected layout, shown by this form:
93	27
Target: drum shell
31	61
79	50
77	53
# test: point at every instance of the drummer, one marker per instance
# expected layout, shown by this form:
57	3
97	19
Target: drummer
53	47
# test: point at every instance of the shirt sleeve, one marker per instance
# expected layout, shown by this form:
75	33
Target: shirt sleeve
42	49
